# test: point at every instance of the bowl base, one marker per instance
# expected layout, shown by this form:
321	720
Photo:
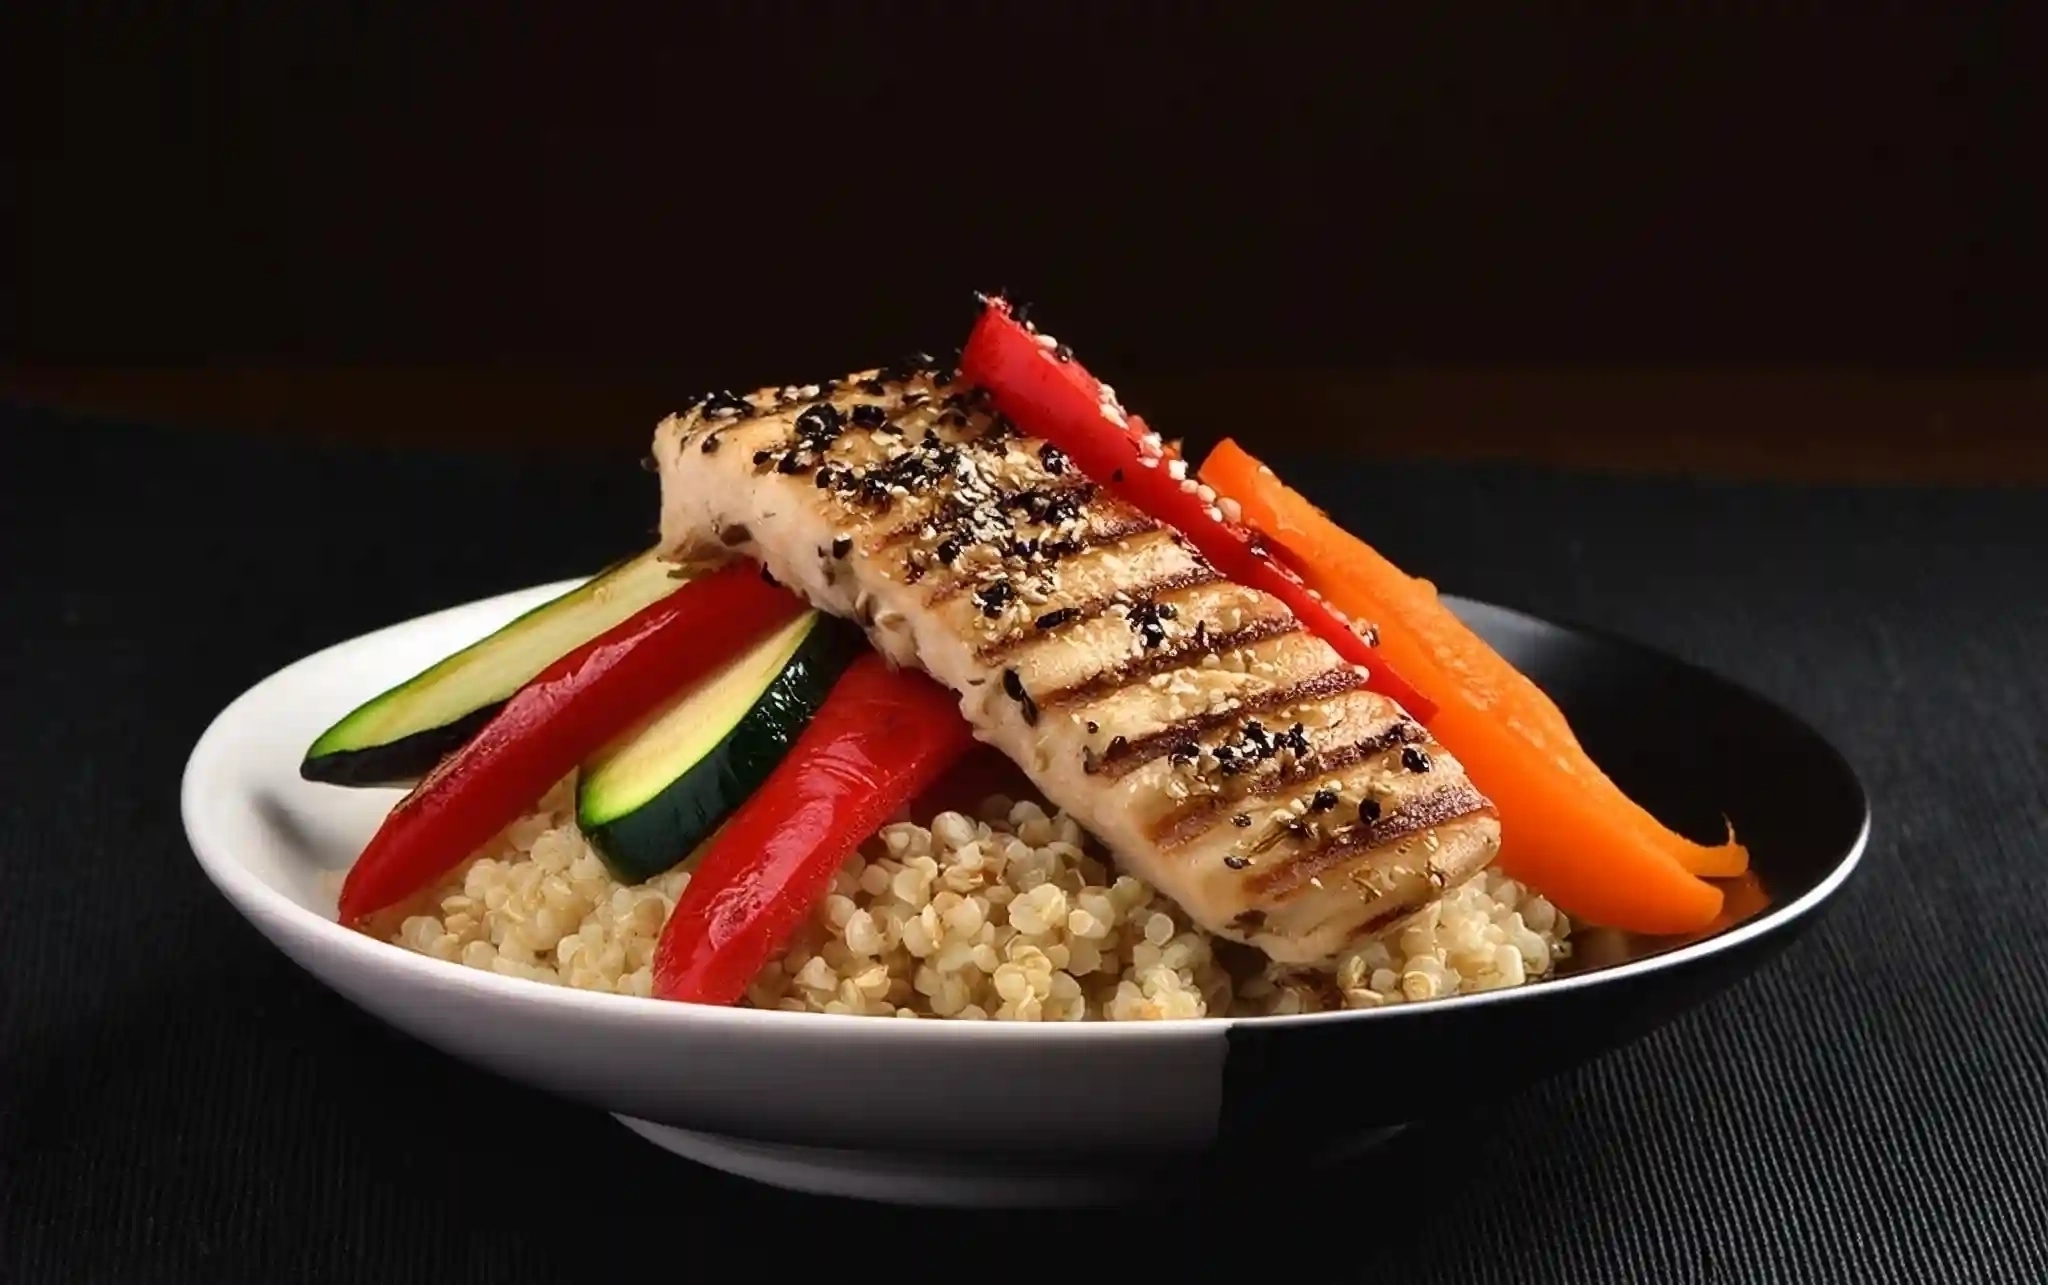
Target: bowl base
932	1179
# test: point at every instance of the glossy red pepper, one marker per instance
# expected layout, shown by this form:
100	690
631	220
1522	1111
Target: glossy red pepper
569	711
1049	395
881	738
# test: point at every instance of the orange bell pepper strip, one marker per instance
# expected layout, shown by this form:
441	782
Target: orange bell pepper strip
1566	829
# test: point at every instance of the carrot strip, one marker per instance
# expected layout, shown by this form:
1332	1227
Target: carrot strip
1567	830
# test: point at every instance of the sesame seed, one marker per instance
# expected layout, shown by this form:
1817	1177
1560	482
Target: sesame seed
1215	514
1232	511
1208	493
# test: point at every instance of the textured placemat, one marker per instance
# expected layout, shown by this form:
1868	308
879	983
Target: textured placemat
177	1102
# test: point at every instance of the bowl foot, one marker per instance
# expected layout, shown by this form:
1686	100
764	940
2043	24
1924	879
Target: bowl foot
954	1181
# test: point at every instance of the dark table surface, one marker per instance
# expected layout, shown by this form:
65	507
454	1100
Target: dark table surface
179	1102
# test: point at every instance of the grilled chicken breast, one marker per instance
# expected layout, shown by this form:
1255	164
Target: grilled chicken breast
1223	753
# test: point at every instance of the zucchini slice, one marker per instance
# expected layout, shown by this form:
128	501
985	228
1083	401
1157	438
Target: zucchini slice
651	797
397	737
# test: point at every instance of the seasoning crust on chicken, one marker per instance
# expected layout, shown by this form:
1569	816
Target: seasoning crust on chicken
1221	751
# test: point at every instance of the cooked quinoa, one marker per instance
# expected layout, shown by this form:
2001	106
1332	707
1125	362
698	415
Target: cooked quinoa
1010	917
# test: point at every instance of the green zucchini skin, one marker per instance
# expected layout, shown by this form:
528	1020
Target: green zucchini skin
399	763
640	842
397	736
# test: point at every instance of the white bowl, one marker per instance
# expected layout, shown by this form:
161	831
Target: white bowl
1004	1113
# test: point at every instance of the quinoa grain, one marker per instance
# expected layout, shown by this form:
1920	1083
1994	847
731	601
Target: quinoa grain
1009	917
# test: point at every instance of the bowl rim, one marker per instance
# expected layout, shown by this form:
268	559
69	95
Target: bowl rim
273	912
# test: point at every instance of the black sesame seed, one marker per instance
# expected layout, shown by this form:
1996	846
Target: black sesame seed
1013	686
1413	759
762	457
1093	727
790	463
818	425
1368	811
1148	620
873	387
1062	353
1183	754
1236	862
1117	744
869	415
1054	459
1323	800
948	551
1057	617
710	447
1241	821
993	597
842	546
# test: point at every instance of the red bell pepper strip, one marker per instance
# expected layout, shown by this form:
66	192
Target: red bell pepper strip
1037	383
567	712
881	738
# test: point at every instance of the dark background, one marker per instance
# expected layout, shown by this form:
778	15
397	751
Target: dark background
617	212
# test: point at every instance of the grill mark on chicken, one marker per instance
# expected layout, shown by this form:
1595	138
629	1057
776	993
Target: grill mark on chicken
1051	550
1439	807
1196	817
1382	916
1181	653
950	496
1132	755
951	511
1080	613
